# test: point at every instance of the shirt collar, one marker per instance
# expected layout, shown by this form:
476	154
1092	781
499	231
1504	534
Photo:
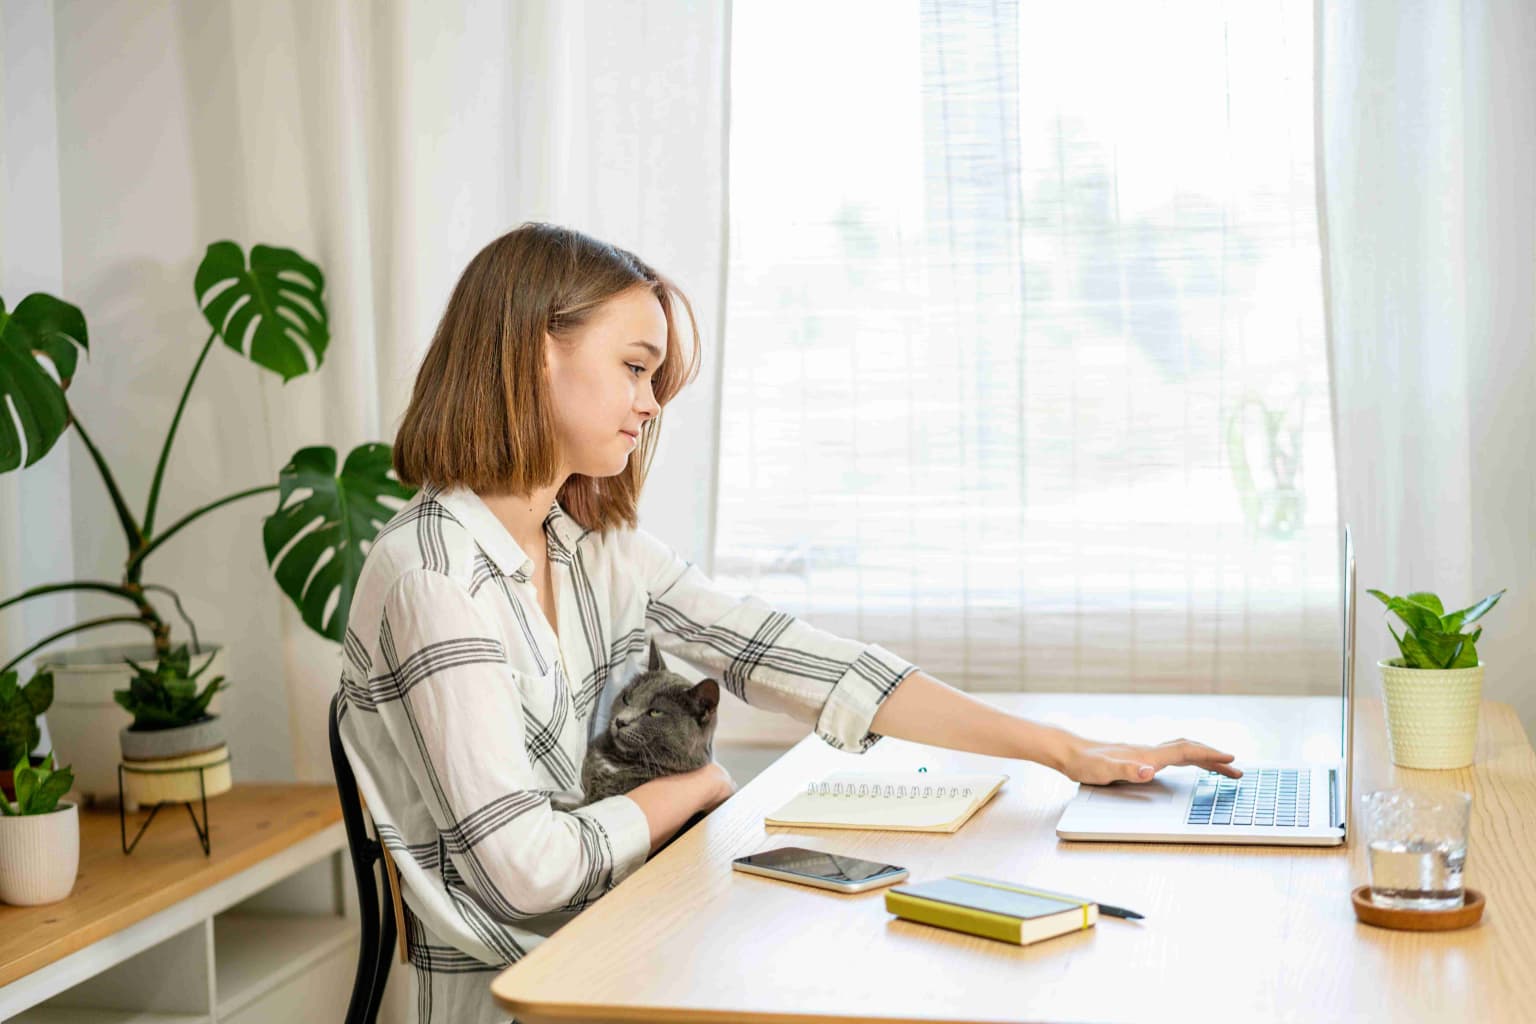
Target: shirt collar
494	539
568	532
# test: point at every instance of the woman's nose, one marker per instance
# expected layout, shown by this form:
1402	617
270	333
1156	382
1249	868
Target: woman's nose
647	403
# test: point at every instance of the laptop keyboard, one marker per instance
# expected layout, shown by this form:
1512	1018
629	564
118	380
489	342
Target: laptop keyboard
1278	797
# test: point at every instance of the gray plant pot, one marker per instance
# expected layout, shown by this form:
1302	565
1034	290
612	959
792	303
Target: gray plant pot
178	742
84	717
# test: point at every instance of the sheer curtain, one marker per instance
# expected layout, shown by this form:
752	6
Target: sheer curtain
1427	121
30	261
1026	375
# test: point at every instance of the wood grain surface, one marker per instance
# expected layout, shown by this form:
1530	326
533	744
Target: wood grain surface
247	824
1231	933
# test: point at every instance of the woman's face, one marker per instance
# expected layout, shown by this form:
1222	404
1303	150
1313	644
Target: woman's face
600	378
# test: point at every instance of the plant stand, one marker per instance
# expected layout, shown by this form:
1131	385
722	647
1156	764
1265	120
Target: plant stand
201	827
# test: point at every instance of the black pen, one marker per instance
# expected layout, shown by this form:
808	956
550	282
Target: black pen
1104	908
1129	915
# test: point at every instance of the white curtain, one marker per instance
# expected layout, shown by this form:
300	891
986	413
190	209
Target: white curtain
1027	373
30	261
1427	139
388	142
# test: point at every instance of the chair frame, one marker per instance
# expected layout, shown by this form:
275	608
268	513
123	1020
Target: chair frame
382	917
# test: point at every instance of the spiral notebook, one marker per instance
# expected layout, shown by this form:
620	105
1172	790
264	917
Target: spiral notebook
900	801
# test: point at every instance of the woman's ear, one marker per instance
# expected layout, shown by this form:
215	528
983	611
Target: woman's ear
552	355
656	662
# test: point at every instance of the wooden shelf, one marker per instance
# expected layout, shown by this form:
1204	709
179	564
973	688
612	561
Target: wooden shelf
255	953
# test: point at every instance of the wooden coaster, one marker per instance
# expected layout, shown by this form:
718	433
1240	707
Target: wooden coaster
1464	916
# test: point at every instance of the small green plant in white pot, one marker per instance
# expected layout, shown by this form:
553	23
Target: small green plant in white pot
1433	690
39	837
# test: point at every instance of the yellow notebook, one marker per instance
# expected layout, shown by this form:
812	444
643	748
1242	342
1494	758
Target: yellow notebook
992	909
899	801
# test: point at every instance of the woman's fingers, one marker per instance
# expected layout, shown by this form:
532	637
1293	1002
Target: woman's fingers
1120	769
1182	751
1136	771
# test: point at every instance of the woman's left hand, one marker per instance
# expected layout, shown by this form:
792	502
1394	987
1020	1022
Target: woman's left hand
1099	763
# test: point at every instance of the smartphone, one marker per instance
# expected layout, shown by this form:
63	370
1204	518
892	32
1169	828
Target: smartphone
823	870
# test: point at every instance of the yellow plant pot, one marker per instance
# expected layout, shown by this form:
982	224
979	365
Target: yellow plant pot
149	782
1431	714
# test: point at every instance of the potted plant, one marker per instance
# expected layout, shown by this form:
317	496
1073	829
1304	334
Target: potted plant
172	734
39	837
1433	690
19	734
271	311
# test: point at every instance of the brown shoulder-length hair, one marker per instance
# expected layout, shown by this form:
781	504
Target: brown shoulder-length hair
480	414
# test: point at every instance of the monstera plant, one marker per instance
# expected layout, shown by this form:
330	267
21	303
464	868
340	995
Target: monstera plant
271	311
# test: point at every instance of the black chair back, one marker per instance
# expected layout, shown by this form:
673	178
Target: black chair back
375	901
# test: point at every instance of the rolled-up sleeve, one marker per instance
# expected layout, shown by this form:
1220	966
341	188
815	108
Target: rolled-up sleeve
765	657
451	704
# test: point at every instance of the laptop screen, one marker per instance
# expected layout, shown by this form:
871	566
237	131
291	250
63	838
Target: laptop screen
1347	674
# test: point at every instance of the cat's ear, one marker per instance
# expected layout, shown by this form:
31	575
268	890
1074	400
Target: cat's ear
706	693
655	658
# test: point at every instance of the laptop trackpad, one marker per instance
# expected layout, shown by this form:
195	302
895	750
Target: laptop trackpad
1165	794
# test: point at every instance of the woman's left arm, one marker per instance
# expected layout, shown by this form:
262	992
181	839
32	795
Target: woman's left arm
925	710
854	693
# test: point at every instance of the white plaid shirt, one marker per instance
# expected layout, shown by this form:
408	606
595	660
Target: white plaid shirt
466	721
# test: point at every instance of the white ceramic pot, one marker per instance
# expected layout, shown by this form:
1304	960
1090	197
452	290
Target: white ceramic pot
39	856
84	720
1431	714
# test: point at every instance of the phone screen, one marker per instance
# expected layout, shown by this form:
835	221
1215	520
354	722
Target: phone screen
831	866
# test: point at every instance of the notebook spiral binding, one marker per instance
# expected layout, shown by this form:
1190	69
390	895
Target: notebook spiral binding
897	791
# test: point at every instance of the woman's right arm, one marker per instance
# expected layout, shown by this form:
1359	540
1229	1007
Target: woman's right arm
668	802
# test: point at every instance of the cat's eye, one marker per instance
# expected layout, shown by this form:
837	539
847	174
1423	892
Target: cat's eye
655	713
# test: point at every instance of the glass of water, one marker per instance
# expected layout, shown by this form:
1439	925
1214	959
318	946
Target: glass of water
1418	846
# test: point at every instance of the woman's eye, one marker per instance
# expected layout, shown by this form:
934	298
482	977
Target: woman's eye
655	713
638	368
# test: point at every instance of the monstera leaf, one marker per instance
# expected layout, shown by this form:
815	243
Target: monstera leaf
324	523
41	327
271	312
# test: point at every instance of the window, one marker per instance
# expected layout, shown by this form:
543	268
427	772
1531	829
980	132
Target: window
1025	373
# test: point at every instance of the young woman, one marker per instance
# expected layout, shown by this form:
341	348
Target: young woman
501	610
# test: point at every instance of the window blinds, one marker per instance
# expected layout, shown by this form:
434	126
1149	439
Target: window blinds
1025	374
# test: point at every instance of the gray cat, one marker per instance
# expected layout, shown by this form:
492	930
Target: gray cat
661	725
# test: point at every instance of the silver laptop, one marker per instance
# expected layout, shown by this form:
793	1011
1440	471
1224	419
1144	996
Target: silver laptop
1274	803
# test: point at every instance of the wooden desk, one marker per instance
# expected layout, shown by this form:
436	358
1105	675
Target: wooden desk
122	905
1232	933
